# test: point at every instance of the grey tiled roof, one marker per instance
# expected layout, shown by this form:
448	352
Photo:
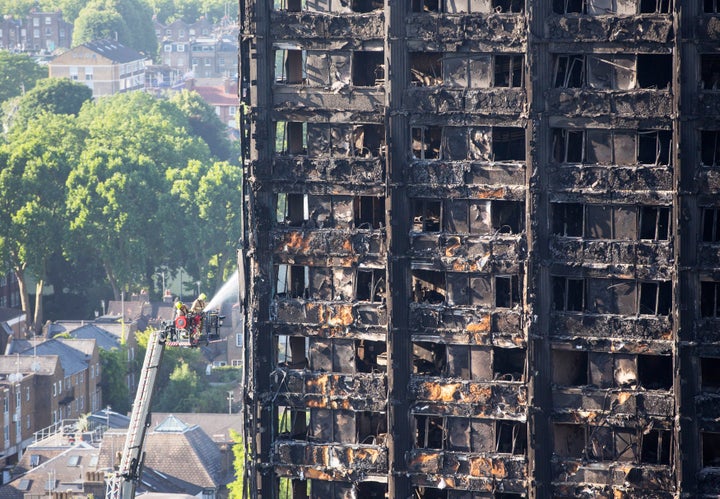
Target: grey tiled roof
44	364
114	51
102	337
72	360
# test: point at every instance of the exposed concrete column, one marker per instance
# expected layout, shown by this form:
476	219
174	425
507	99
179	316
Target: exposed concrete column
398	227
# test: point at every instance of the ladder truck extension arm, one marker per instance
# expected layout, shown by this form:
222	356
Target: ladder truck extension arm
122	483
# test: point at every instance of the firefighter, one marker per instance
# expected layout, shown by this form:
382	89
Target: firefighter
181	319
180	308
197	308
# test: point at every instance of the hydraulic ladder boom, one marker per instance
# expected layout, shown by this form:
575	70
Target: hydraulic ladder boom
122	483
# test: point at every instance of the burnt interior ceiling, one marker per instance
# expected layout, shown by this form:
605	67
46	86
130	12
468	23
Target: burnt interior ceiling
482	248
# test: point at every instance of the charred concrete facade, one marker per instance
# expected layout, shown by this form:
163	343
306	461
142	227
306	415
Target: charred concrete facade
483	248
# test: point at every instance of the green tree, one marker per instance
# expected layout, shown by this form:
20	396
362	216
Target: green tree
99	24
117	188
204	122
50	95
237	487
16	8
113	385
208	199
129	20
69	8
34	166
18	74
180	393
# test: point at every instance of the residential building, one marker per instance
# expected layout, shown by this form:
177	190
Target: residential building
9	291
482	248
106	67
28	404
37	32
221	95
179	458
213	58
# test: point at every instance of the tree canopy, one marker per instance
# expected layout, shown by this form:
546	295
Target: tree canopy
127	21
101	200
18	74
50	95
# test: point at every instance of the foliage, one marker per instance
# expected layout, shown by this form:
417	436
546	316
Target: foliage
226	374
204	122
69	8
113	385
16	8
181	383
50	95
237	486
18	74
127	21
117	186
34	166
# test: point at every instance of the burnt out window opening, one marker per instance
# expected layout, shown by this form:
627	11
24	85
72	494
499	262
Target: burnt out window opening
710	449
293	488
370	356
430	432
426	68
603	7
292	209
570	367
292	351
508	6
427	215
612	296
568	219
429	358
655	223
510	437
429	286
290	66
427	5
507	217
655	372
599	443
370	285
348	427
368	141
371	490
508	144
711	225
368	68
507	291
568	294
333	425
508	71
710	373
290	137
470	434
489	217
292	423
655	298
710	147
508	364
292	281
710	299
655	6
570	71
711	6
332	355
426	142
613	71
468	362
656	447
366	5
369	212
710	71
612	147
618	222
290	5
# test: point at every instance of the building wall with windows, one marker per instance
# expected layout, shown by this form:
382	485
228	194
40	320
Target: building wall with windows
481	248
37	32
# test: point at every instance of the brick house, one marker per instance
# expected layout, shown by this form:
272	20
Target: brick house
106	67
38	31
